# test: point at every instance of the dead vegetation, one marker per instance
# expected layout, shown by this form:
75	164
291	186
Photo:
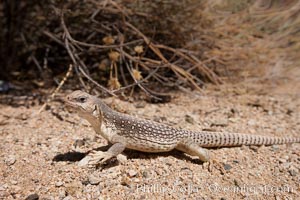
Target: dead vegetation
151	45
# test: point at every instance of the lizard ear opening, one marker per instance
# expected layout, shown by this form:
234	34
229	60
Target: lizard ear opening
96	111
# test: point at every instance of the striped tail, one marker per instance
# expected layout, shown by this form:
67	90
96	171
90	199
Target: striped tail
223	139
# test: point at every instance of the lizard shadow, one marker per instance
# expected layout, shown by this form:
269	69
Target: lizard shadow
75	156
133	154
69	156
129	153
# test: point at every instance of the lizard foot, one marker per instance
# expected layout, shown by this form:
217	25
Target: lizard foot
95	157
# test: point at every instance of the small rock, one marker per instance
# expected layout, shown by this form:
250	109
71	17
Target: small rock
227	167
289	111
145	174
132	173
125	181
93	180
59	183
281	160
270	112
10	160
79	143
62	193
73	188
286	165
236	183
141	104
254	148
14	182
277	197
286	157
5	86
33	197
68	198
159	119
121	158
275	147
233	110
252	122
84	162
189	119
136	180
293	171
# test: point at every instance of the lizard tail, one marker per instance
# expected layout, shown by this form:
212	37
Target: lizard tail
223	139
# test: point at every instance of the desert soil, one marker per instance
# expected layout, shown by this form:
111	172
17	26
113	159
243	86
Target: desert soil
40	153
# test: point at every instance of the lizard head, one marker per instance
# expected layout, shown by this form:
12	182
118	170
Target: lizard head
85	104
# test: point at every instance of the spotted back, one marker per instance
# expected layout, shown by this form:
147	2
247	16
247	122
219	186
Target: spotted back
143	134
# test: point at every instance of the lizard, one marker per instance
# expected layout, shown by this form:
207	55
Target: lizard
126	131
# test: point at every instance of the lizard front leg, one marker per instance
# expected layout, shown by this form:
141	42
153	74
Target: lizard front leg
99	157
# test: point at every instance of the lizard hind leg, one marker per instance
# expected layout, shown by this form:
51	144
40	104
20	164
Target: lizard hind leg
193	149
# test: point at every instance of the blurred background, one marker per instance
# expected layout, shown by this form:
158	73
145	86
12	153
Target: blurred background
129	46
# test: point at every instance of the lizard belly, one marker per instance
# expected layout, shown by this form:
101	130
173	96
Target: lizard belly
135	142
148	145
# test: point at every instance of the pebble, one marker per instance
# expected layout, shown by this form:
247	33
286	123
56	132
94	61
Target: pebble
141	104
10	160
73	188
236	183
62	193
79	143
132	173
189	119
254	148
68	198
14	182
293	171
59	183
159	119
286	157
33	197
281	160
252	122
227	167
121	158
270	112
275	147
93	180
125	181
286	165
145	174
277	197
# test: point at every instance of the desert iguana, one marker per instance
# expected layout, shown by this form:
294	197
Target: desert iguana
125	131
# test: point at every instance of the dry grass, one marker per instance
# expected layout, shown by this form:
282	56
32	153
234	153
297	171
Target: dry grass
122	45
256	39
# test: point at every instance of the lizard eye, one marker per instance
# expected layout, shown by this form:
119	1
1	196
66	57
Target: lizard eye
82	99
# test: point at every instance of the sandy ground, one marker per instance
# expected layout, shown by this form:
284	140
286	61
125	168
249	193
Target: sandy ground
39	153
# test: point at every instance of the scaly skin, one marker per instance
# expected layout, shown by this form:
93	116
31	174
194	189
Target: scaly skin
125	131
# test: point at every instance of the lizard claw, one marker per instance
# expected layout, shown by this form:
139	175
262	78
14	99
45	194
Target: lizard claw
95	158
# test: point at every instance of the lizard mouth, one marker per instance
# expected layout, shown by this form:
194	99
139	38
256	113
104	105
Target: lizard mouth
70	103
73	105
